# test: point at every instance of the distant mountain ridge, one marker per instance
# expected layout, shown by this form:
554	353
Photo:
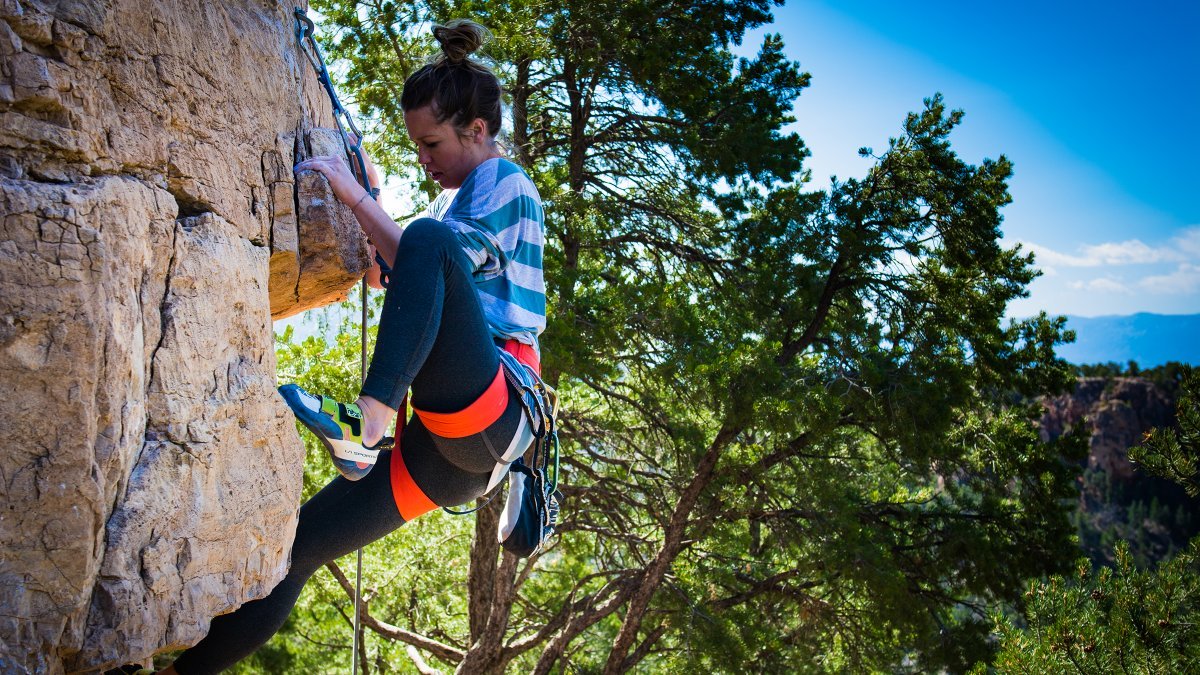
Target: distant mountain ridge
1149	339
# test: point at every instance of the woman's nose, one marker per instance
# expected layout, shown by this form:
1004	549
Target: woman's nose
422	157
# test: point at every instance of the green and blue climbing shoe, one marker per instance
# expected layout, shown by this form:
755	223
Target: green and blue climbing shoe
339	428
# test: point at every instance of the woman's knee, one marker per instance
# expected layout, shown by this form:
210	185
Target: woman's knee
427	234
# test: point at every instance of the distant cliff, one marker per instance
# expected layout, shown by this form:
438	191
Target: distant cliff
1118	412
1117	501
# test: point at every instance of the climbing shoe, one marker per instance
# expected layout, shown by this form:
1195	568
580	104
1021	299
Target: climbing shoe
339	428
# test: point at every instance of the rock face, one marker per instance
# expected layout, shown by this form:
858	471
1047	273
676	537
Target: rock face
1118	412
149	230
1118	501
332	251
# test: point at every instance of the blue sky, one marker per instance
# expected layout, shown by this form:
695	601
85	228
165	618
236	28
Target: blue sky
1097	104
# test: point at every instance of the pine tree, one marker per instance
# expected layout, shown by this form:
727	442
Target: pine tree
789	424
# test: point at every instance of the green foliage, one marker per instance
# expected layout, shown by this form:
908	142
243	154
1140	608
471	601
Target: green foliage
1152	511
1168	376
1152	515
1173	453
794	429
1117	620
1128	617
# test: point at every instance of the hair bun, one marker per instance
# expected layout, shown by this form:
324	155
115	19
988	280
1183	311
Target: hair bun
459	38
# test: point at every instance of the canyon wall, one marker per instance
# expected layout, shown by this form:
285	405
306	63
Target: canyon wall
1118	412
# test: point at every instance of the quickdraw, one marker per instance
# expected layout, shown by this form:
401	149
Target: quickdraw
545	400
305	35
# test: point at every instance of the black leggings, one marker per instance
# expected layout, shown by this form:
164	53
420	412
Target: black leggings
432	336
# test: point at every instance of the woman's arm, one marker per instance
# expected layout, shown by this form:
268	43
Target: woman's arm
379	227
373	272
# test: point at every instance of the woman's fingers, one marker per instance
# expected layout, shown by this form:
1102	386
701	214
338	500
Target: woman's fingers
345	186
332	167
322	163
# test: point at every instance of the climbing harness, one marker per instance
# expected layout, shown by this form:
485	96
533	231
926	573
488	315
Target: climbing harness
531	508
353	146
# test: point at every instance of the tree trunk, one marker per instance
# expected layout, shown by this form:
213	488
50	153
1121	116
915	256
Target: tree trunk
481	578
490	589
520	113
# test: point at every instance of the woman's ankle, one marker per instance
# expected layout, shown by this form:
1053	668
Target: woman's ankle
376	418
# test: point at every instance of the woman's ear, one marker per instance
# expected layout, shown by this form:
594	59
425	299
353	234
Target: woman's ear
478	130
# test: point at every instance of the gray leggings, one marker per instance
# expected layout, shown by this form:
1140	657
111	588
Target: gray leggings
432	336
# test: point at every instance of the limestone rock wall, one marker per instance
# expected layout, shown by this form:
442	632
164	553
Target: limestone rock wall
149	229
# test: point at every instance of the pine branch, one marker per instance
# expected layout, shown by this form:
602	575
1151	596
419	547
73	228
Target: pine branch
442	651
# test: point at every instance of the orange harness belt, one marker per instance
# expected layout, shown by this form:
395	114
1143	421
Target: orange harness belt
473	418
410	499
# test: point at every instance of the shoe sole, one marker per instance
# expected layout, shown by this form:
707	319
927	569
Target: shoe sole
346	455
337	450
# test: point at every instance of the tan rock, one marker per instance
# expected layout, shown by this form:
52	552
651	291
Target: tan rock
82	281
333	248
319	253
201	433
148	231
285	229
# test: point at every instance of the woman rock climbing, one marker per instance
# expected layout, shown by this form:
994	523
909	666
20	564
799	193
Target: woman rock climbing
466	293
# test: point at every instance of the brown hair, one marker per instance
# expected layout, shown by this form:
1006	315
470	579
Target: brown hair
459	88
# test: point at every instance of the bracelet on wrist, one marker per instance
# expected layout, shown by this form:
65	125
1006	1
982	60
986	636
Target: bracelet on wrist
360	201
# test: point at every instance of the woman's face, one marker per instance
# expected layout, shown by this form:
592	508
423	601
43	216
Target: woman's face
447	154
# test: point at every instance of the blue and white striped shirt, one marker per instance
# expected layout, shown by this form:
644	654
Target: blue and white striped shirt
497	214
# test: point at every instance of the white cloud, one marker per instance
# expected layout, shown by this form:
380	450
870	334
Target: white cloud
1049	258
1185	279
1131	252
1119	277
1188	242
1101	285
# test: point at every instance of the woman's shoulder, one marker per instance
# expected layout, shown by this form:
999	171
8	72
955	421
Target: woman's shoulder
495	193
506	170
501	180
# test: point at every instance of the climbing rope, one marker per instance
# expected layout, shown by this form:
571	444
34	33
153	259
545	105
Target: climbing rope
305	32
353	146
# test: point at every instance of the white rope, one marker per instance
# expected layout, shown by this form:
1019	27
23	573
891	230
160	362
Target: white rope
358	575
